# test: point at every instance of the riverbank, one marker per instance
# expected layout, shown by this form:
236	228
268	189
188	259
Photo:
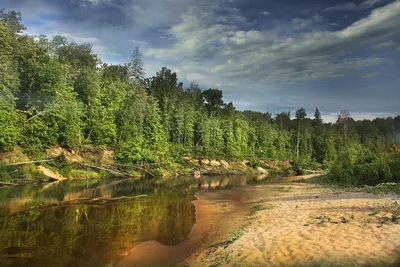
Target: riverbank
299	224
282	223
58	164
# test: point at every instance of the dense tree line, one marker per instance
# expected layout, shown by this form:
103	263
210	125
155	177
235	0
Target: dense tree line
55	92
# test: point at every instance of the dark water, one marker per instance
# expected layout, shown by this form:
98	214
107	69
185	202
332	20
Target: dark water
97	235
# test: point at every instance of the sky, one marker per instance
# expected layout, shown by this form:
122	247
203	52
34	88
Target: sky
265	55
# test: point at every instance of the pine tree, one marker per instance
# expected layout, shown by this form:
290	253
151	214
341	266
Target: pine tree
135	67
317	117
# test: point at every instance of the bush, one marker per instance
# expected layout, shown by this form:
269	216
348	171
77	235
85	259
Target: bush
84	174
132	153
61	165
368	170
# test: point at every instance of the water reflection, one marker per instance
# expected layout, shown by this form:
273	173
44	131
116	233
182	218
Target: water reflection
89	235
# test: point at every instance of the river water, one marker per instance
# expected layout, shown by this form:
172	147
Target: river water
35	232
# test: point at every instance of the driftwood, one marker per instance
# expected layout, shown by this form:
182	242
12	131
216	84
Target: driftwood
99	200
90	201
107	170
28	162
132	166
313	171
112	184
7	184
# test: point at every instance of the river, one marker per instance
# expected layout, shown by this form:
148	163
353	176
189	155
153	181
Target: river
37	231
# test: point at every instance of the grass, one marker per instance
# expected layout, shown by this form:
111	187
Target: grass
84	174
28	172
380	189
394	209
375	212
256	208
323	218
233	236
285	189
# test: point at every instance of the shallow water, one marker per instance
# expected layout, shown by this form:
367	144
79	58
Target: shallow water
34	234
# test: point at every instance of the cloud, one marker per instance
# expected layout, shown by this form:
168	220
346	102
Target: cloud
370	75
343	7
139	43
270	63
299	23
386	44
263	56
371	3
350	6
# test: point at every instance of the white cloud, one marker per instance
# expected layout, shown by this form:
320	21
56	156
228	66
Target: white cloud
202	45
384	45
139	43
350	6
299	23
371	3
370	75
266	13
332	117
343	7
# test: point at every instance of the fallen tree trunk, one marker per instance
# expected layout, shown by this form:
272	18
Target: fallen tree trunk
313	171
107	170
89	201
7	184
134	167
28	162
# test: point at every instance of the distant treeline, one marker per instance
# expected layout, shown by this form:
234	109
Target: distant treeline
55	92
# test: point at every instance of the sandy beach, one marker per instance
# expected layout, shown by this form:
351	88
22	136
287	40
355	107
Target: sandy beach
297	224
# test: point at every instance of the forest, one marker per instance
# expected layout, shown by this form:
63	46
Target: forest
56	92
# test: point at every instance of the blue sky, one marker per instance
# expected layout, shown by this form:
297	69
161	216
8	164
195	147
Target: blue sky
265	55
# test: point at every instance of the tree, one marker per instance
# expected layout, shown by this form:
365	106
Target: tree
300	116
317	118
283	120
213	100
165	86
9	83
135	67
343	118
194	95
13	21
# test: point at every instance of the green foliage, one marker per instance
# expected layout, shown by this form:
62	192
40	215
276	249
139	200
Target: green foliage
256	208
9	117
61	165
83	174
56	93
232	237
323	218
394	208
366	170
134	152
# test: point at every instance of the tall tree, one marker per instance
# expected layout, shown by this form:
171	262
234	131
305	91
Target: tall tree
300	116
194	95
8	88
135	67
13	21
213	100
343	118
317	117
283	120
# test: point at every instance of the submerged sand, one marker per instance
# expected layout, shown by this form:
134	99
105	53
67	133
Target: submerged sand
301	225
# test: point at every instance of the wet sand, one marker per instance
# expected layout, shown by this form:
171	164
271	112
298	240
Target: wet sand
304	225
217	213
